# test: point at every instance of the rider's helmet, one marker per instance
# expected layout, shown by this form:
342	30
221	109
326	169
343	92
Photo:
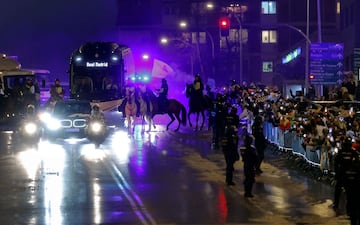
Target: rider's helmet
197	75
96	108
30	110
163	80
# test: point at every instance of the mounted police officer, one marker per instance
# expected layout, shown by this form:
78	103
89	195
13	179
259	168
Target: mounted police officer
128	91
163	94
198	88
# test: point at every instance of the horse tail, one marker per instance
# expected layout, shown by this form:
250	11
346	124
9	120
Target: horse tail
183	115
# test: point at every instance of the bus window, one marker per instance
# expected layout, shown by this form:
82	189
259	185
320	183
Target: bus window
83	85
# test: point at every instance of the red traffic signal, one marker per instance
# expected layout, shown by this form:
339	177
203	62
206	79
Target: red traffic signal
224	25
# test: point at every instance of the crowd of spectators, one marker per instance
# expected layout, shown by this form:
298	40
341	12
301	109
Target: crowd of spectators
321	128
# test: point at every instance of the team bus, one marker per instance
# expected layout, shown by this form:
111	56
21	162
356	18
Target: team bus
98	72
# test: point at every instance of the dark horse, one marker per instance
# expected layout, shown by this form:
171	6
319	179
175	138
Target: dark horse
197	104
172	107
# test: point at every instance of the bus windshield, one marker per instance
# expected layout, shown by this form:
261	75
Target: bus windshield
98	71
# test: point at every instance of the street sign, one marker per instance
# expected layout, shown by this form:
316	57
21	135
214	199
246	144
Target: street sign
356	63
326	63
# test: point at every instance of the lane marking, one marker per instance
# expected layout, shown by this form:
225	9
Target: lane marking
133	198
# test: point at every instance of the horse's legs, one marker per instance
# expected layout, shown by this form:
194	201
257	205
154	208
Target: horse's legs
150	121
189	114
133	123
128	119
203	119
143	123
197	121
177	115
172	120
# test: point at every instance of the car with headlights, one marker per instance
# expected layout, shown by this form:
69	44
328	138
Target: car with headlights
66	119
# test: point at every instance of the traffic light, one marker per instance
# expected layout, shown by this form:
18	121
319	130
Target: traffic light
224	25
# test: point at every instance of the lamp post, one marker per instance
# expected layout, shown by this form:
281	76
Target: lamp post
183	25
240	39
308	42
240	50
212	52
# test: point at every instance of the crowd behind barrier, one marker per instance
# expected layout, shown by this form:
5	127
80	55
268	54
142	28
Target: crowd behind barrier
321	136
305	126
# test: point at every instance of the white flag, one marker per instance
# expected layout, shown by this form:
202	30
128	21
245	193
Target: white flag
161	69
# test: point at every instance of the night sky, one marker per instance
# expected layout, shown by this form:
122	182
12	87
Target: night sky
43	33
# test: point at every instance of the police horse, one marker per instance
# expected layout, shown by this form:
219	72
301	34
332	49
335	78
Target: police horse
145	112
197	105
130	111
175	109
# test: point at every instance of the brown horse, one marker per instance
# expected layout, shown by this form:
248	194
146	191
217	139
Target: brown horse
172	107
197	105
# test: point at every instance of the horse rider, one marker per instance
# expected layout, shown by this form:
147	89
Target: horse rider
198	86
162	98
129	90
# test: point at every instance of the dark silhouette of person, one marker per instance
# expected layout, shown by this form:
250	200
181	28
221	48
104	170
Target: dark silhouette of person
57	91
249	157
342	163
162	98
260	140
230	144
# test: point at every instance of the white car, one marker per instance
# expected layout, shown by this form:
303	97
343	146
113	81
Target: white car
67	119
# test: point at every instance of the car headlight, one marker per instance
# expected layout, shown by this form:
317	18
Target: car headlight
30	128
53	124
45	117
96	127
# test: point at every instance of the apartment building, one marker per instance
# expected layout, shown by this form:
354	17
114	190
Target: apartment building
261	34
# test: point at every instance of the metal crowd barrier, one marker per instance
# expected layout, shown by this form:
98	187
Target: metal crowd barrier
289	141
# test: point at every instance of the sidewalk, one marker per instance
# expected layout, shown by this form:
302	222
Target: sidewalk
286	188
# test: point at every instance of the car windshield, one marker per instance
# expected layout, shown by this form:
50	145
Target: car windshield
67	108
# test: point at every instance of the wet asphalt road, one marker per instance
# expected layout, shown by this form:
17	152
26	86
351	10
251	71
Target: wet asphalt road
159	177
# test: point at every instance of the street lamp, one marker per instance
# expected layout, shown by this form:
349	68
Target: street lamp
165	40
183	24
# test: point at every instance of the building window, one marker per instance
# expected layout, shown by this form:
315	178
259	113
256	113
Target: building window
267	67
269	36
338	7
268	7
